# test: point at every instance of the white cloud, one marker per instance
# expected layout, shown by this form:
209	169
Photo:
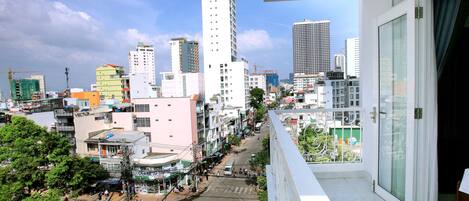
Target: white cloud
252	40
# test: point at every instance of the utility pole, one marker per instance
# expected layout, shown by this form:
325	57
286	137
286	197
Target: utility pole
126	171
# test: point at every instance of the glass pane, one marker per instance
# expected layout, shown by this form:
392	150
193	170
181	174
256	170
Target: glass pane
395	2
392	106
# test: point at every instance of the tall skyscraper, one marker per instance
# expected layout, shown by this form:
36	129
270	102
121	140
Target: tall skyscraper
352	53
224	75
184	55
339	62
311	46
142	61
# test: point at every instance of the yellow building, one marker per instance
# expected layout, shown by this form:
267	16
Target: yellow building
91	96
111	83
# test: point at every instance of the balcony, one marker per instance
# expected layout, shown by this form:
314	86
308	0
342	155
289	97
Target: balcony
316	154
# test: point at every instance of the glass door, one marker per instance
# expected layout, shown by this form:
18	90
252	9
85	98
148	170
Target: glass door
396	102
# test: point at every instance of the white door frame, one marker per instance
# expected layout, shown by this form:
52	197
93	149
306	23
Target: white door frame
406	7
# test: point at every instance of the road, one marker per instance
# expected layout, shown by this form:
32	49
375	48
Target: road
230	188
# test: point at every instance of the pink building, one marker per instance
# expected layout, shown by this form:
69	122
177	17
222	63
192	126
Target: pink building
170	123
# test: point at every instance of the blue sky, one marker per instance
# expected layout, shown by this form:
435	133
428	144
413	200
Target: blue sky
46	36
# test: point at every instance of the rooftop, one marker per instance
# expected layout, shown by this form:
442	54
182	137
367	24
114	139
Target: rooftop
116	135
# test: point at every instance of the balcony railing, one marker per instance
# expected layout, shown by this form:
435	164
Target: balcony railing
325	136
303	140
288	175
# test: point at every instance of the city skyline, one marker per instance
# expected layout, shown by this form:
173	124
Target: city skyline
101	37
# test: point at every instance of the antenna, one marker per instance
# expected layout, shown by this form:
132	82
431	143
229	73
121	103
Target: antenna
67	72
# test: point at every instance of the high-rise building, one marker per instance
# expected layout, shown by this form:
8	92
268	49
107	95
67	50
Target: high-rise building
339	62
111	82
142	61
311	46
24	89
352	52
42	84
184	55
224	75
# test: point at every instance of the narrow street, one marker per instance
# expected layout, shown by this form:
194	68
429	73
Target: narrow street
235	188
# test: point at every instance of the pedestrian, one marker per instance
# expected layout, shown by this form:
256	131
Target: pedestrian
106	193
100	195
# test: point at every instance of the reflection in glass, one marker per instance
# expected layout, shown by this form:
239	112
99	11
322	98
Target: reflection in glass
392	106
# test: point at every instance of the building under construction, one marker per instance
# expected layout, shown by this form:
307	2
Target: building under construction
25	89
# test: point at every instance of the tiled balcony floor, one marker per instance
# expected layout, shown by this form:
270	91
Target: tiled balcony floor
347	186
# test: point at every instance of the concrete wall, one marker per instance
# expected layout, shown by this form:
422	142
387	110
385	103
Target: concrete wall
84	124
173	123
123	120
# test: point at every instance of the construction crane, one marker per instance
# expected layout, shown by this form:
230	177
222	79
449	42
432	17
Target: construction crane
261	67
11	73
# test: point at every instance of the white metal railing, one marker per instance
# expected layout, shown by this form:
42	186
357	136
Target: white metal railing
289	176
325	136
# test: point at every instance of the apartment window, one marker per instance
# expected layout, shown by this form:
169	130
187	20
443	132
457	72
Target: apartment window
169	105
351	103
142	108
148	135
143	121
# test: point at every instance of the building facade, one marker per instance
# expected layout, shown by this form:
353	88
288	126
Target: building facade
111	82
223	71
182	84
24	89
142	61
339	62
170	123
92	96
311	46
306	82
42	84
258	81
184	55
352	53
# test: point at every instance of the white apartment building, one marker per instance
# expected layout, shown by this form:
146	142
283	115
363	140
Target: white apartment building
142	61
304	82
182	84
171	124
258	81
339	62
224	74
319	97
352	54
140	87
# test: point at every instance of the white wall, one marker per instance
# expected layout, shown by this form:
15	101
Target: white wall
370	10
182	84
84	124
352	48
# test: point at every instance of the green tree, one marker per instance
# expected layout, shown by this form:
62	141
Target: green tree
234	140
256	97
34	160
51	195
318	146
260	113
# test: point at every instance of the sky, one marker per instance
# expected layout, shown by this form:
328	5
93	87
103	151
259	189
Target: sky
47	36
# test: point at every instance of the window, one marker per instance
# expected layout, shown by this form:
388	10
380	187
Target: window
142	108
143	121
148	134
